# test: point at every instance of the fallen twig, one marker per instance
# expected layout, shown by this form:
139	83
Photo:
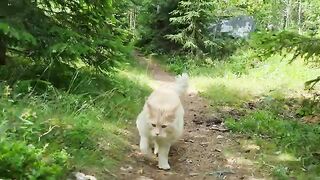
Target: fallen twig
110	173
219	129
220	173
50	129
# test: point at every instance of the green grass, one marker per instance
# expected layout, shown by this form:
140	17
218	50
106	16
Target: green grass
289	147
78	114
271	76
242	77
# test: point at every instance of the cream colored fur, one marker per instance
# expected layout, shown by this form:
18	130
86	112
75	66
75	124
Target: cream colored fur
161	121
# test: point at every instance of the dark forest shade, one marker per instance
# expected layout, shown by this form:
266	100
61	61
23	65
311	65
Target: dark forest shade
3	46
2	51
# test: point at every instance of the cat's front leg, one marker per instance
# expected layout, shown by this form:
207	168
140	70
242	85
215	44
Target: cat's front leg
163	156
144	146
156	148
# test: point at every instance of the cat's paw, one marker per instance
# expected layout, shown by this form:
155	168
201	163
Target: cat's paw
164	166
155	151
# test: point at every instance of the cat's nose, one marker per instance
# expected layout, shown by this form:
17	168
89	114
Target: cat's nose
157	134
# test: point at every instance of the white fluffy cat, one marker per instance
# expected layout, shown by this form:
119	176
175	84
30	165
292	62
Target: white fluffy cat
161	121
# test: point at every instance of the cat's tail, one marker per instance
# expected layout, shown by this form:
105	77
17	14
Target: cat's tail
182	83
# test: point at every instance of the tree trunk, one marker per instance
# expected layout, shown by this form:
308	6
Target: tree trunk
3	50
3	44
299	16
287	14
132	19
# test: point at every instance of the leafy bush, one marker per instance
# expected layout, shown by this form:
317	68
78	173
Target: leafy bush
239	62
21	161
310	106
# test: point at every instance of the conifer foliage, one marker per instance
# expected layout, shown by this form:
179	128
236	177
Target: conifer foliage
191	20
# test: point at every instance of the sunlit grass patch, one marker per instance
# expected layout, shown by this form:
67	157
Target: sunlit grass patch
224	94
136	74
272	77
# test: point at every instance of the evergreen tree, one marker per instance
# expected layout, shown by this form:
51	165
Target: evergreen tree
191	20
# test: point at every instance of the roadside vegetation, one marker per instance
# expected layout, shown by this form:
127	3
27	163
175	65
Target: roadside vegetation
70	86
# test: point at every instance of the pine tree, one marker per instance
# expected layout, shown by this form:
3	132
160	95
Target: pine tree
191	19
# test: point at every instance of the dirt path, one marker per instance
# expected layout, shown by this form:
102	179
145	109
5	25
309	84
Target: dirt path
202	153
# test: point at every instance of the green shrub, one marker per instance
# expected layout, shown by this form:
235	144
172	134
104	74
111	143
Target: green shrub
21	161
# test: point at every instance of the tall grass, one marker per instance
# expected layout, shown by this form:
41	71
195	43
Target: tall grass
76	115
290	144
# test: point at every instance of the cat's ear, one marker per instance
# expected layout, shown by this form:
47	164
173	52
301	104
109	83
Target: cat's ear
149	105
150	109
174	110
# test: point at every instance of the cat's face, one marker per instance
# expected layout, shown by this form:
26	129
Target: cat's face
160	121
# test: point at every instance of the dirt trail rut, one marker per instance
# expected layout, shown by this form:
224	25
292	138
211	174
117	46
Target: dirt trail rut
202	151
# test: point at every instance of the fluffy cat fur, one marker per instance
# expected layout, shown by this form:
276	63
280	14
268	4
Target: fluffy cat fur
160	123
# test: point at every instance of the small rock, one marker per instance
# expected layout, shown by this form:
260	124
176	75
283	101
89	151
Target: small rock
81	176
168	173
218	150
127	168
220	137
140	171
189	140
204	144
193	174
143	178
189	161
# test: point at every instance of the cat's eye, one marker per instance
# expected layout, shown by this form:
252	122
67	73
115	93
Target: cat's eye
164	126
153	125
